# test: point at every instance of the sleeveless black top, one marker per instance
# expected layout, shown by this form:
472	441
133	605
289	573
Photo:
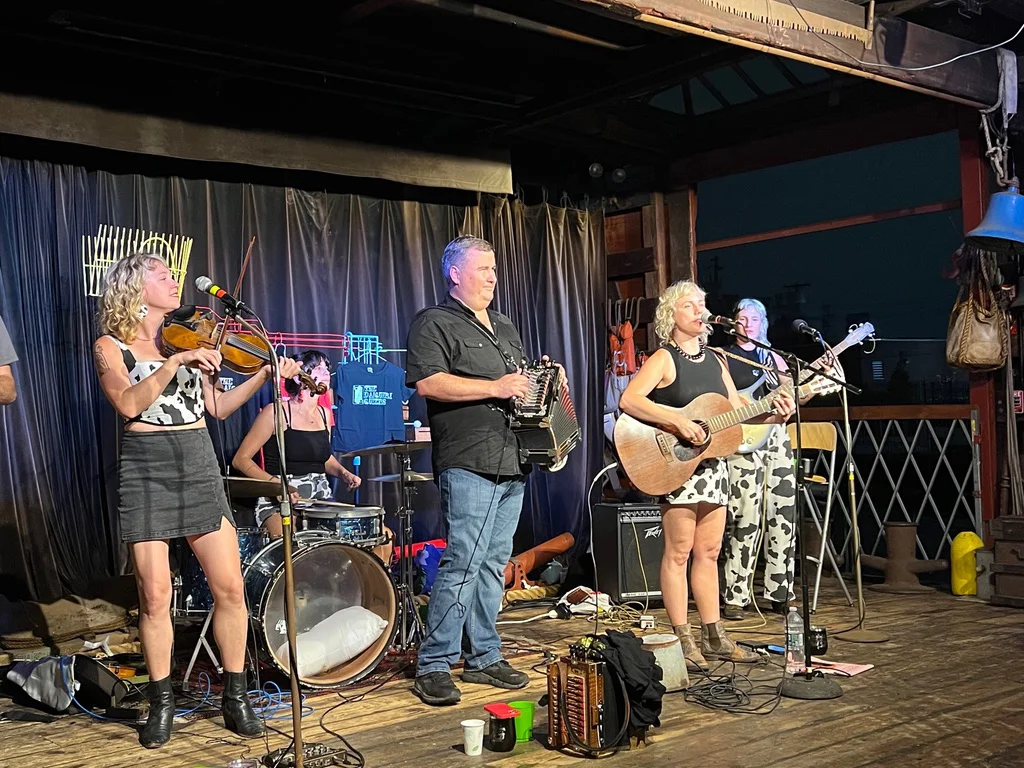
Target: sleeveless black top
692	379
307	451
745	376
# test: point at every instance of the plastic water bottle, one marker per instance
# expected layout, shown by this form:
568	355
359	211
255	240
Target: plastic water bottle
794	643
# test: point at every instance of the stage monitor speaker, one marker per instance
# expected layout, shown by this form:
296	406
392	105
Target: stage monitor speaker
99	686
628	545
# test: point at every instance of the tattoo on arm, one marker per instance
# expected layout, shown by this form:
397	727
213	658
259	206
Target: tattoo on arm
101	362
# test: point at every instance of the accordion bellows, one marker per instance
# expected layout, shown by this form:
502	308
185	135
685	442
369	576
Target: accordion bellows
544	419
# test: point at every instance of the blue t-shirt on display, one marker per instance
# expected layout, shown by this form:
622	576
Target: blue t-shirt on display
369	401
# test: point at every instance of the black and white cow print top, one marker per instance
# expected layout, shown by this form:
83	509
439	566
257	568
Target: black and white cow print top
180	403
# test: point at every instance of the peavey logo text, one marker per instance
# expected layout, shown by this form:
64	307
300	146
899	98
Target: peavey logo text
654	532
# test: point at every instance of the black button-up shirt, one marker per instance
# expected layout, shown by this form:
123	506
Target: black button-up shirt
473	435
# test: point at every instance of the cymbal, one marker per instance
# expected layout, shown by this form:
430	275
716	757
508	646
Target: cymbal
410	477
249	488
395	447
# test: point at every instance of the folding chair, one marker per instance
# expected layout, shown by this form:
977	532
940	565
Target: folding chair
820	436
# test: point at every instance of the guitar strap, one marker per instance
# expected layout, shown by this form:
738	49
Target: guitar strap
751	363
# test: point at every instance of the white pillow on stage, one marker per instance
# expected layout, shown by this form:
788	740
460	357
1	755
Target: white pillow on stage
335	640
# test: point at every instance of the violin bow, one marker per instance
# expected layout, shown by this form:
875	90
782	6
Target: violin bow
238	287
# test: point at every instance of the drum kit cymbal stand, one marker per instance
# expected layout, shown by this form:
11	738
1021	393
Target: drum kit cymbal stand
410	629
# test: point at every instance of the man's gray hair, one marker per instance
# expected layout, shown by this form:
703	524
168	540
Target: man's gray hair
455	253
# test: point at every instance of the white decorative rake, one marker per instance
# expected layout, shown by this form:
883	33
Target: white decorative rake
115	243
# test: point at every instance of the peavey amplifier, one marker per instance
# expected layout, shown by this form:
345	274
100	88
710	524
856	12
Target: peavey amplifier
628	545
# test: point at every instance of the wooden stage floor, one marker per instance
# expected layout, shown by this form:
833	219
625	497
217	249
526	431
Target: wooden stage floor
946	691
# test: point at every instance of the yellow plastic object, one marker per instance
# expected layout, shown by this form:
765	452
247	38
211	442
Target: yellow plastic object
963	564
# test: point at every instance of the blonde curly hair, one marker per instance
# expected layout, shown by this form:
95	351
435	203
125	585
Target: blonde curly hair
120	304
664	322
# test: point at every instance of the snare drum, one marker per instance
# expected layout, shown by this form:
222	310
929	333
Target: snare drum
361	526
194	599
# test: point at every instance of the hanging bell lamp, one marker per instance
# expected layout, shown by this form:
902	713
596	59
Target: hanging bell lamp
1002	229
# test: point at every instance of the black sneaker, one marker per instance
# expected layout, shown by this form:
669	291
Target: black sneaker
437	689
500	675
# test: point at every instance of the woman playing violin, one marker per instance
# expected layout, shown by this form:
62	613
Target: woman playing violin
170	484
693	516
307	441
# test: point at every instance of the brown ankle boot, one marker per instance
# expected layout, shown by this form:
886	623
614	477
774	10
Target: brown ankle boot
691	652
715	643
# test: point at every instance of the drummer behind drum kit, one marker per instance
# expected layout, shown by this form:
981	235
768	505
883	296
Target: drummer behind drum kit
345	597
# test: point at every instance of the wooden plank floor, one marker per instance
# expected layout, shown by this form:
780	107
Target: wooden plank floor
946	691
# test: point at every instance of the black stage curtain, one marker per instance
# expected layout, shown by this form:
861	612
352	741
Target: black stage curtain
322	263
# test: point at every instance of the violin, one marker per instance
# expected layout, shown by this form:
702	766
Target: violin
187	328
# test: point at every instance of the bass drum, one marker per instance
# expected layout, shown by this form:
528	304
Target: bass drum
329	576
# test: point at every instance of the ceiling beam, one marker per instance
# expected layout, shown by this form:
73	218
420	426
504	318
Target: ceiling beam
360	10
745	116
900	7
785	71
661	65
742	73
972	80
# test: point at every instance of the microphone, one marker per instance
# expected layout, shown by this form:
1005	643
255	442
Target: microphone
801	326
707	317
206	285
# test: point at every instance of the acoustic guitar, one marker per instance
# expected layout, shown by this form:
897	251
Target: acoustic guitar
755	436
658	461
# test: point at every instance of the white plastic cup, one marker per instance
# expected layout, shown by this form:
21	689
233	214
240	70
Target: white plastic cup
473	736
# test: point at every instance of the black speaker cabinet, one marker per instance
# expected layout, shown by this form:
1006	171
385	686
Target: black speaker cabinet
628	544
99	686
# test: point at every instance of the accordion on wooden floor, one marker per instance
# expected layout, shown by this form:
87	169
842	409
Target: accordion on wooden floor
544	419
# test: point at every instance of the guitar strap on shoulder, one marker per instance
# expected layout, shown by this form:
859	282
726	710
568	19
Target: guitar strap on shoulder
745	361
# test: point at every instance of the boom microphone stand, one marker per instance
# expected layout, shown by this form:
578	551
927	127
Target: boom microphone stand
808	684
286	524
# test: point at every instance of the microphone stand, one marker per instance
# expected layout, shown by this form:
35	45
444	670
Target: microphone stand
286	525
807	684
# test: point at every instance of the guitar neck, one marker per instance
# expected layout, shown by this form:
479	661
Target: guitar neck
752	411
807	372
740	415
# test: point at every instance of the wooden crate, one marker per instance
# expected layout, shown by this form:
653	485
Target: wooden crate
1008	560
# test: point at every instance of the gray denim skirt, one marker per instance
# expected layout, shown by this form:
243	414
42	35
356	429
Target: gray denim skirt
170	485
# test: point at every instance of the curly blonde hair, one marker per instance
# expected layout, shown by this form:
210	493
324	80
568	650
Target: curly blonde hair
120	304
664	322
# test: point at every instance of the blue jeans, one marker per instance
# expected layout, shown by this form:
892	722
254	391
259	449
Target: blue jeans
481	517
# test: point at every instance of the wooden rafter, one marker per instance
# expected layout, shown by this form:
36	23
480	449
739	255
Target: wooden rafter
898	54
742	74
360	10
713	90
785	71
670	62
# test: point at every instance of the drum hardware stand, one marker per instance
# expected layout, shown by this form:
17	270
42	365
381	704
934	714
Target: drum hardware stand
286	524
406	604
202	642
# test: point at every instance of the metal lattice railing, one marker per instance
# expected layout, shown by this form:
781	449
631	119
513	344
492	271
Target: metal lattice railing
911	464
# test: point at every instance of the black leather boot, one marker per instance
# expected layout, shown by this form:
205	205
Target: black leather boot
238	714
157	730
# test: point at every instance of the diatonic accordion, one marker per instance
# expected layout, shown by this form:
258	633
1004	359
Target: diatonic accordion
544	419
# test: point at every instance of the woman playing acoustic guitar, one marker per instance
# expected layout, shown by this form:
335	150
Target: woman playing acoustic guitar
170	482
693	517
